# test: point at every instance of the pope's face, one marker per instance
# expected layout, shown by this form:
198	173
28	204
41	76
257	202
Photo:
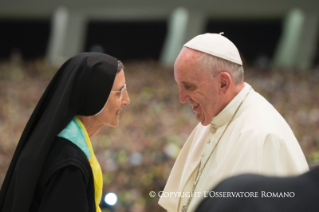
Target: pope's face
197	87
111	113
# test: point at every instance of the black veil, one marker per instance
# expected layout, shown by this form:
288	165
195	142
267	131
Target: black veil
80	87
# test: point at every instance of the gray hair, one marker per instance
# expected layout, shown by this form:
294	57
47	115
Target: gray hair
120	66
216	65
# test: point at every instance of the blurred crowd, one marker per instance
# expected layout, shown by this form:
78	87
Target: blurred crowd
137	156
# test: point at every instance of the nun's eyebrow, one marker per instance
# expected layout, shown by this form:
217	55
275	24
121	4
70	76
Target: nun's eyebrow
122	87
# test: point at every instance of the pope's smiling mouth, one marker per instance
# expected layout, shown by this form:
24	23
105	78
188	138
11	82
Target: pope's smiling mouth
195	106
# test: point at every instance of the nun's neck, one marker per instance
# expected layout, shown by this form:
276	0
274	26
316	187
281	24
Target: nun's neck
91	125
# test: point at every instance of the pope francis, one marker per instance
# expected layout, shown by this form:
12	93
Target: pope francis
239	131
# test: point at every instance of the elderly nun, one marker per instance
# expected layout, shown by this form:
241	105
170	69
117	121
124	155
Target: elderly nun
54	167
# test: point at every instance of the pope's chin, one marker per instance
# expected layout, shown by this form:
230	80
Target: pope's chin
202	119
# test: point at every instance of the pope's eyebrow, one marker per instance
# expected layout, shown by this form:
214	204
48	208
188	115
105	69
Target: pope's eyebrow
186	83
189	85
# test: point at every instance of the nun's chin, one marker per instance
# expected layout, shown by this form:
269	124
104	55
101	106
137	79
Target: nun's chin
115	123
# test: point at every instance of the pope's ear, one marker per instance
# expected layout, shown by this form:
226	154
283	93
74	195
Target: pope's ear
225	80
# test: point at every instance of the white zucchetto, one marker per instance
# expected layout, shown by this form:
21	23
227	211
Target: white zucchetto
217	45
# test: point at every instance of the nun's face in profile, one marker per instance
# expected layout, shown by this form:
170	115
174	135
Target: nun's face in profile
111	112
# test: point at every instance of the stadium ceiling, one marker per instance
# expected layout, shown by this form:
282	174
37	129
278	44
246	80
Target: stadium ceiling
154	9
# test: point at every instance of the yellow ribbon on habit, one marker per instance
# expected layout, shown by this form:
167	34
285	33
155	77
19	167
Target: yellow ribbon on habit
96	169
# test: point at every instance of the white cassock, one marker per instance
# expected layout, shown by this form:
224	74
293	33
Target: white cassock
258	140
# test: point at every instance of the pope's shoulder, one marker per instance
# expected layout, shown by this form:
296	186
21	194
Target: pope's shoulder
259	110
261	119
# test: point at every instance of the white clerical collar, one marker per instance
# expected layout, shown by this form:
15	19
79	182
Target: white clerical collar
226	114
